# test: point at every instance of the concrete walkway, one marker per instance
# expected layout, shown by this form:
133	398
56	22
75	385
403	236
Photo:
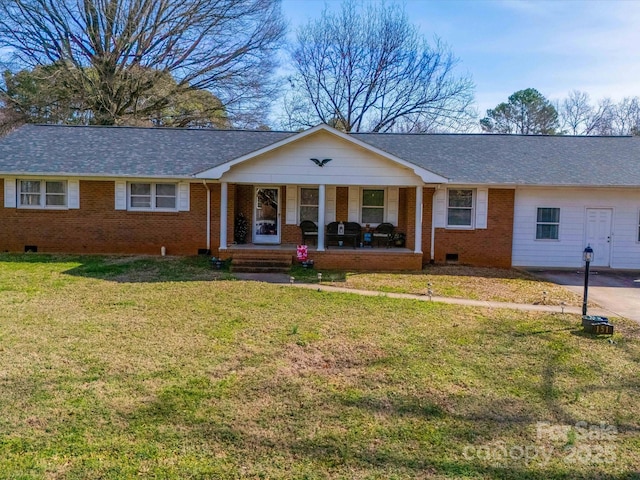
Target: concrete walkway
280	278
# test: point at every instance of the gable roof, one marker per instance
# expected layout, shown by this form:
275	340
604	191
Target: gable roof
183	153
425	174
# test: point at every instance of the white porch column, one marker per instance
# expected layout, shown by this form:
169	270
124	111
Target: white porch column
224	206
418	234
321	215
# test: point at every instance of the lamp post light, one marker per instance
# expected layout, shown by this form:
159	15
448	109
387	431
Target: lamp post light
587	256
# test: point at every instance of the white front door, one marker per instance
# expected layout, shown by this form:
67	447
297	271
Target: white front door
599	235
266	217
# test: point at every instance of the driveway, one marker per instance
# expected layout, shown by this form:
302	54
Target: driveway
617	291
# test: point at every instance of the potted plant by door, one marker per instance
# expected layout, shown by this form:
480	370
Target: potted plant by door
398	239
240	228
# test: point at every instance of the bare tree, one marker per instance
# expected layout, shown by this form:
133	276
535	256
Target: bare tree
108	48
576	113
626	117
371	71
602	118
580	117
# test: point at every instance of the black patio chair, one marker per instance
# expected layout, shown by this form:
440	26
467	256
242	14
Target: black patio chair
384	233
309	230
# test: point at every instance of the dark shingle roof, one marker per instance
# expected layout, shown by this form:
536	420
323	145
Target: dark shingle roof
126	151
483	159
519	159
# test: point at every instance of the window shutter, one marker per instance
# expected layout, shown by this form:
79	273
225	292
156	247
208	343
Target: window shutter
73	193
292	205
440	209
10	192
354	205
482	201
330	205
121	194
183	196
393	195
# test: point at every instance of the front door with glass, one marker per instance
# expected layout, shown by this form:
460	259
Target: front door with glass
266	223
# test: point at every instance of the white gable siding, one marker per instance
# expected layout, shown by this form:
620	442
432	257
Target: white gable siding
349	165
573	204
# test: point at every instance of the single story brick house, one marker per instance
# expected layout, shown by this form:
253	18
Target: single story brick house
486	200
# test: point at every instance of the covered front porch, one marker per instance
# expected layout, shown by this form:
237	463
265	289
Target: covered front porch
272	214
333	180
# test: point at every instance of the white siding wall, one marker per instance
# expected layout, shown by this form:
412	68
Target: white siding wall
350	165
567	250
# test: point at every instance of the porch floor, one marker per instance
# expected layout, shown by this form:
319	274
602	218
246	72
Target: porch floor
290	247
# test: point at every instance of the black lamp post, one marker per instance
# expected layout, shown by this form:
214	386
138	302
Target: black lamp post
587	256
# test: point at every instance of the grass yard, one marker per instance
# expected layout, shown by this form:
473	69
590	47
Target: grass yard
491	284
118	368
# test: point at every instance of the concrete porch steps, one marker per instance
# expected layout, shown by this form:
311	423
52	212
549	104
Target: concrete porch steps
260	262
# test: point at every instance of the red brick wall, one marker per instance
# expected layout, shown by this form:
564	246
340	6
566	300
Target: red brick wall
215	214
385	260
487	247
342	204
244	204
96	227
402	210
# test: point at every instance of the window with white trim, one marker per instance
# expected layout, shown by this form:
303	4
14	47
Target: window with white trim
42	194
152	196
372	211
309	198
547	223
460	207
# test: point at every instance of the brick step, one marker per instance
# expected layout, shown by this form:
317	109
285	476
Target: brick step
263	258
266	262
260	263
258	269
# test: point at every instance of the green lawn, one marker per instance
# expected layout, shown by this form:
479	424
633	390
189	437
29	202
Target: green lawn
119	368
490	284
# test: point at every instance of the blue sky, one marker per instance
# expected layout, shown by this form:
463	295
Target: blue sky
505	45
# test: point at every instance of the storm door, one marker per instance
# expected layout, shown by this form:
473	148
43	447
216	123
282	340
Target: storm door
266	223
